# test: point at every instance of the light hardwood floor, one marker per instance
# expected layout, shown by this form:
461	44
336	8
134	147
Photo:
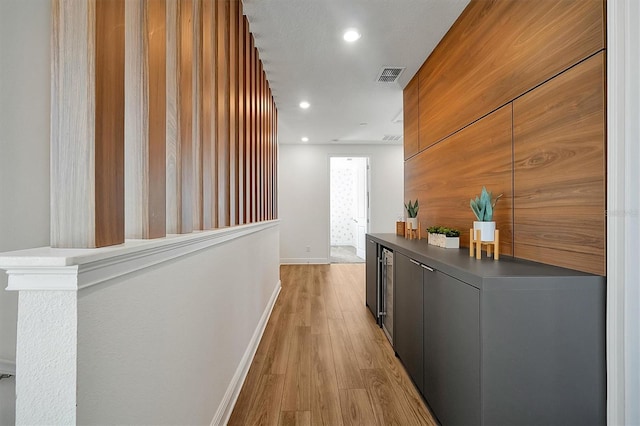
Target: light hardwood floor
323	360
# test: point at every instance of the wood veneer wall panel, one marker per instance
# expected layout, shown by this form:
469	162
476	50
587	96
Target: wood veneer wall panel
411	118
87	124
109	103
208	122
172	165
560	199
222	75
196	70
233	112
185	154
241	115
254	132
145	117
447	175
497	51
247	121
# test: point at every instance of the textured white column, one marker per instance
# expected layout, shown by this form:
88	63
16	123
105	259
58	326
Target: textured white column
46	350
623	212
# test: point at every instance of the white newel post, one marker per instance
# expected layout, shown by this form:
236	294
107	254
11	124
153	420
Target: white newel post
46	349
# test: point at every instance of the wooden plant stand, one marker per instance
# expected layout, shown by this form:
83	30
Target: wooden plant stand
412	234
475	245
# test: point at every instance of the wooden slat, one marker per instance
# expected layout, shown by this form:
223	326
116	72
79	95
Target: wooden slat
109	123
208	116
145	119
411	117
185	157
222	77
560	201
233	112
172	165
196	141
241	205
448	174
498	50
254	132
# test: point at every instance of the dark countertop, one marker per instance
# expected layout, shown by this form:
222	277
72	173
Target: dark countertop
458	264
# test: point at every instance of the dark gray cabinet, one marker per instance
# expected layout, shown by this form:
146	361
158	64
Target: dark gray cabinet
372	277
452	349
408	331
505	342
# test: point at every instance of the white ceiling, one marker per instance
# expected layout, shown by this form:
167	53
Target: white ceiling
305	58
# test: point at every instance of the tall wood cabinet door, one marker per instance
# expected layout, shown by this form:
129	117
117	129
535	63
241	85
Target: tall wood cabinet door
372	277
452	349
410	119
408	333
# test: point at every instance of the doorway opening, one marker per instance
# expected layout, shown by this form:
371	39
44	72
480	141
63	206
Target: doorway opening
349	208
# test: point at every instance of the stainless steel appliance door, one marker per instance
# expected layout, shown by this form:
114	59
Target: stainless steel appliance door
387	294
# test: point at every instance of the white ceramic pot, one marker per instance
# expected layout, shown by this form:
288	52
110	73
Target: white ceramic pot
452	242
413	221
487	230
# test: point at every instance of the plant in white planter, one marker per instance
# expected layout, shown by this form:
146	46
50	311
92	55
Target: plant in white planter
443	237
483	207
412	214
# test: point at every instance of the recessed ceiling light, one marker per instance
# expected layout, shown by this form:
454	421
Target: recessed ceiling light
304	104
305	139
351	35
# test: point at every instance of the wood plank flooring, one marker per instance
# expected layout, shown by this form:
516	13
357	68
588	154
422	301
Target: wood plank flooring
323	361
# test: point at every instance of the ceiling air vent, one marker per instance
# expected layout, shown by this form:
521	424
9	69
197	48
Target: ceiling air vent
391	138
389	74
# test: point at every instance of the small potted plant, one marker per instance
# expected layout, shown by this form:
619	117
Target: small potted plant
483	207
443	237
412	214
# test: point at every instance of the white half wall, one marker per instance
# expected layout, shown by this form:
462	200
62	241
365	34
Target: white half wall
149	332
24	155
304	207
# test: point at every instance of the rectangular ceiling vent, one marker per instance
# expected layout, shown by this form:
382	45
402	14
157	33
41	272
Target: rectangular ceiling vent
391	138
389	74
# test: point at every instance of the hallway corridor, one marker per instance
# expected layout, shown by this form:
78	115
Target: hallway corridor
323	360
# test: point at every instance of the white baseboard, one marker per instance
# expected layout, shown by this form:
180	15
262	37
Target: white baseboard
304	261
7	367
233	390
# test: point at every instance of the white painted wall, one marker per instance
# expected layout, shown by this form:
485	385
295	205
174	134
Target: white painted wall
304	195
24	154
162	346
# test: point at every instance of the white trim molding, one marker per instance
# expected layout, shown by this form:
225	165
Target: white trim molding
305	261
623	212
50	269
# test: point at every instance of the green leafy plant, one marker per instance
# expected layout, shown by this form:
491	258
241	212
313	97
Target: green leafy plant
484	205
412	210
449	232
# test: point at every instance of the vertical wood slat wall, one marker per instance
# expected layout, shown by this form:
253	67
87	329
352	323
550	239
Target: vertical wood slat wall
191	97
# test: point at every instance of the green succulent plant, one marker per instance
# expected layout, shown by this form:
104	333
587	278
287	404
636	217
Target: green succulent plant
449	232
412	210
483	205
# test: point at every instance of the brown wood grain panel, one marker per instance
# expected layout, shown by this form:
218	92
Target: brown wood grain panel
247	123
559	152
109	123
260	147
172	165
157	48
498	50
241	114
254	132
196	140
208	122
185	116
222	74
145	119
411	117
233	112
446	176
